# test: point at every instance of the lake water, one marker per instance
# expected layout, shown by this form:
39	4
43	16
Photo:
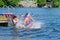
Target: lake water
50	30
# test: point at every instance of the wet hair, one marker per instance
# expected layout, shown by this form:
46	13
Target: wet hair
13	17
26	14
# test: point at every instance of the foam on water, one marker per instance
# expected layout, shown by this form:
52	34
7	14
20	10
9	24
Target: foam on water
36	25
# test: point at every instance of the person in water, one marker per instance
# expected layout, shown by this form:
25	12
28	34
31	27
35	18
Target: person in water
28	20
14	20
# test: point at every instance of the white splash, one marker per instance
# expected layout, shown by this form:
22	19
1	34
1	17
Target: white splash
35	25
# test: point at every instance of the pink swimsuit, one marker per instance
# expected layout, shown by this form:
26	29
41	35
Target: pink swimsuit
28	21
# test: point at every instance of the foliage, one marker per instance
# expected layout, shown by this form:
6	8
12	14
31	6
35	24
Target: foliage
48	0
56	3
1	3
13	3
41	2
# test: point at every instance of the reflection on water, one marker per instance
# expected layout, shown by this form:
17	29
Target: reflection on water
15	38
15	33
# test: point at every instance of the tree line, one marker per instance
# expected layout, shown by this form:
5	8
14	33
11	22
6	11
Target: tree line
13	3
54	3
40	3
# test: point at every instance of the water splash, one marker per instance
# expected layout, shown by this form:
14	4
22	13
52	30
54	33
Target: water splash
35	25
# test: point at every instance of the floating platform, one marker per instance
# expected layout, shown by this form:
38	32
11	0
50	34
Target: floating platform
5	24
3	20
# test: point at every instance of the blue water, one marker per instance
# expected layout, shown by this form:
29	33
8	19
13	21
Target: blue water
49	31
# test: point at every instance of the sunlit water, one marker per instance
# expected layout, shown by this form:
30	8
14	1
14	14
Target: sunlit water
50	30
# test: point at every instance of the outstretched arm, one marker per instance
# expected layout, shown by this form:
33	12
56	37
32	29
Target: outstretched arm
32	18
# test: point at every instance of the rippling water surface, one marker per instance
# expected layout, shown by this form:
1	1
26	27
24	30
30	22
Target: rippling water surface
50	30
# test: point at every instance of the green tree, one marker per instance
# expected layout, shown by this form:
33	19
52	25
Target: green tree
55	3
48	0
13	3
41	3
1	3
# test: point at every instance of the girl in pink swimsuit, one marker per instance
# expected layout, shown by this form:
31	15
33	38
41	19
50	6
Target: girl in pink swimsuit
28	20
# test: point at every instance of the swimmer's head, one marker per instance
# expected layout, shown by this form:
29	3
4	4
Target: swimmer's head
14	17
27	14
